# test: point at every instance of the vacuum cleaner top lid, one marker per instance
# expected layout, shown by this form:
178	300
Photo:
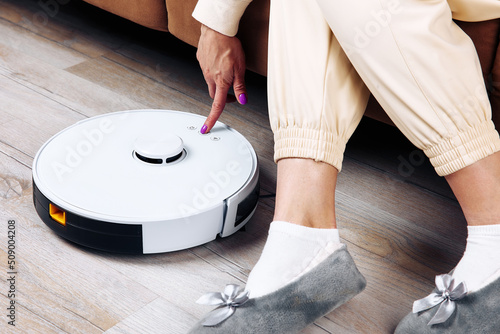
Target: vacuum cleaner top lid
143	165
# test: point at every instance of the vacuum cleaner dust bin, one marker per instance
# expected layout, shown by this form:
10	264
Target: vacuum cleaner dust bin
145	181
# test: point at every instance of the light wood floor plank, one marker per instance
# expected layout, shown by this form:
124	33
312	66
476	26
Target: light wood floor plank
27	42
15	178
50	20
159	316
407	217
30	323
34	109
79	95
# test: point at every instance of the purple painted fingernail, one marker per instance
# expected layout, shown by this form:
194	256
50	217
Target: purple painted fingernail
243	98
203	129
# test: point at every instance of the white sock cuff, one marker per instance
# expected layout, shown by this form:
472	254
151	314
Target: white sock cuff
484	230
304	232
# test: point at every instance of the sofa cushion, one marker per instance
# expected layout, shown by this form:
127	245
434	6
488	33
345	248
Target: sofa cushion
180	22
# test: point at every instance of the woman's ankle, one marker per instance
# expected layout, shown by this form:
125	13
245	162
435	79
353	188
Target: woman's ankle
325	221
305	193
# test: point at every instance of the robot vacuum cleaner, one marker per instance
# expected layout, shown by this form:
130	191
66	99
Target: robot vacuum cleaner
145	181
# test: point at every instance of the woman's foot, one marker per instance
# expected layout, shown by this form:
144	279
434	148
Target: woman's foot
291	308
291	251
449	311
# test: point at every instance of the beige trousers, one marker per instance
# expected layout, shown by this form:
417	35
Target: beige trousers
326	56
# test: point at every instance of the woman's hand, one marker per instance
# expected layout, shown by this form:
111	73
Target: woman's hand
222	61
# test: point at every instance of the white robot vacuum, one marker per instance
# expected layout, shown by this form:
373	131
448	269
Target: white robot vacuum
145	181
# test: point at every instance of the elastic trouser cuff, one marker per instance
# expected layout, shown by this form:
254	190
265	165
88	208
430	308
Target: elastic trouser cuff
309	144
464	149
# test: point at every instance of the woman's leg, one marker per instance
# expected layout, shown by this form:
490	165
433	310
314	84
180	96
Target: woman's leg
305	193
477	189
424	71
303	232
316	100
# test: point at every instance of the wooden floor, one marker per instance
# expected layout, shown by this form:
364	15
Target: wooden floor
400	221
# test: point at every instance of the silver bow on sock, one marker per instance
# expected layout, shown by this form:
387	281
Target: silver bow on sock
226	301
445	295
